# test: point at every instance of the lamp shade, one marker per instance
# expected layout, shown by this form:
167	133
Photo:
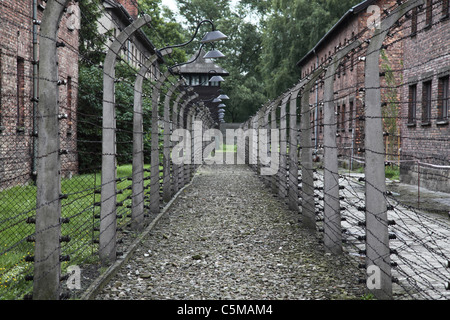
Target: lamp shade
223	97
217	100
213	36
221	105
216	79
221	110
213	54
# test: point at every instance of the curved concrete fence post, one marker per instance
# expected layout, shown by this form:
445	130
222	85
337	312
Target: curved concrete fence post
186	140
107	247
176	166
306	144
332	214
377	236
167	188
282	184
137	208
293	193
154	162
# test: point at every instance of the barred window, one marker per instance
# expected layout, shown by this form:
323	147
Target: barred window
429	13
412	104
443	98
414	21
445	8
20	92
426	102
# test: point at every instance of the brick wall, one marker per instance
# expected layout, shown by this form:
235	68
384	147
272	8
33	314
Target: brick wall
349	101
426	58
16	89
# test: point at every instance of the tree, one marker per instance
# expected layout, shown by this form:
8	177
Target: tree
164	30
91	42
290	31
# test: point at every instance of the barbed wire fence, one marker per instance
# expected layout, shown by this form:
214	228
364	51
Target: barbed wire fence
56	215
397	249
414	245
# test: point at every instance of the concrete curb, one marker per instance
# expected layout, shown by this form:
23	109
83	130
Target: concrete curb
104	278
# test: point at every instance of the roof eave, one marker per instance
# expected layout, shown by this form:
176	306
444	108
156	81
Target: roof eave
354	10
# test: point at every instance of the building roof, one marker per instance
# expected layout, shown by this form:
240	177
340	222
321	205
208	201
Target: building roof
125	17
353	11
202	65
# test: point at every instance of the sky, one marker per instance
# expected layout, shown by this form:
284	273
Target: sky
172	4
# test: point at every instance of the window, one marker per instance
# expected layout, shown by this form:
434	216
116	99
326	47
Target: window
350	117
204	80
412	102
414	21
195	81
352	62
69	103
429	14
320	120
445	8
20	93
343	118
443	98
426	103
338	118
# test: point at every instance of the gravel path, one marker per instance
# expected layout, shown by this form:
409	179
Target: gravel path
227	237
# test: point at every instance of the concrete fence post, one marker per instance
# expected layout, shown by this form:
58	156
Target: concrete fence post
187	152
306	144
108	191
137	208
167	189
254	151
188	165
176	125
155	152
293	192
282	185
273	126
47	270
332	215
377	234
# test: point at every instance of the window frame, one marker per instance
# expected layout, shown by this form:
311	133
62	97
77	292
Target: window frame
412	104
443	99
427	94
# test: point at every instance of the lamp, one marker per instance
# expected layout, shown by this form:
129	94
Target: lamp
214	54
212	36
216	79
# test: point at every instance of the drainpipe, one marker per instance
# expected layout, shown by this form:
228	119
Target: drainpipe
35	89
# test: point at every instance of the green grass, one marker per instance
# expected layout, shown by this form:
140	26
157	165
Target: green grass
81	207
392	172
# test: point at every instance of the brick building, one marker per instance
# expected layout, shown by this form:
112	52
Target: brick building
117	15
356	23
425	115
415	68
19	66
